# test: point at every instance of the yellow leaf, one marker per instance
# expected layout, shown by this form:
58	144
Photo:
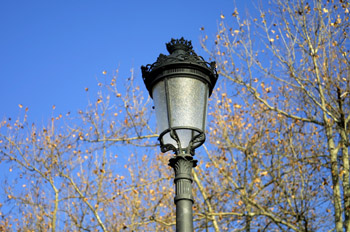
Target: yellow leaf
222	16
325	10
264	173
235	13
20	105
104	72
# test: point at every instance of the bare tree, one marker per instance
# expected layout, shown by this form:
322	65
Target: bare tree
293	62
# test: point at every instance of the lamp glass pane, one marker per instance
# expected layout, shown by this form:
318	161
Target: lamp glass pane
187	99
160	104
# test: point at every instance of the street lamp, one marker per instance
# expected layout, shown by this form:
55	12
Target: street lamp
180	84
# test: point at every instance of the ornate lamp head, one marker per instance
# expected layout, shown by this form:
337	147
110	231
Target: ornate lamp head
180	84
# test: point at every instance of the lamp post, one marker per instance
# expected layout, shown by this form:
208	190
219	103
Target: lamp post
180	84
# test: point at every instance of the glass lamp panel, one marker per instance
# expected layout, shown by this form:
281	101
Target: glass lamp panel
160	104
187	99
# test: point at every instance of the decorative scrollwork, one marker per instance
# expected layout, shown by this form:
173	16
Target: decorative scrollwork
199	138
196	141
167	147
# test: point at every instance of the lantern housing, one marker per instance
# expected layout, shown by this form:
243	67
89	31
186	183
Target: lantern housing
180	84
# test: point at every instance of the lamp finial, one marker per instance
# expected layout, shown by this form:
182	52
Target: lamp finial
179	44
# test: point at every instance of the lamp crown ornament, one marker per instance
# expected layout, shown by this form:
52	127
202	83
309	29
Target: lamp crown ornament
179	44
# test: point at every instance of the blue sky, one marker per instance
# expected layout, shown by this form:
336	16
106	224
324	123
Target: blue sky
51	50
